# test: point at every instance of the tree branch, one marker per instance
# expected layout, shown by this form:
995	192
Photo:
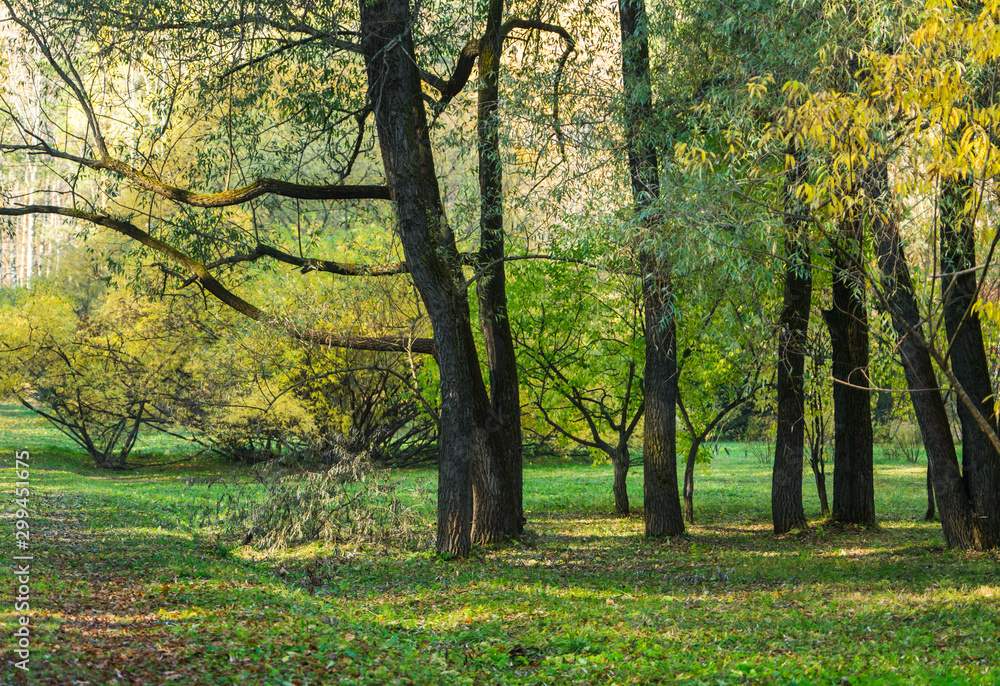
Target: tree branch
470	53
205	279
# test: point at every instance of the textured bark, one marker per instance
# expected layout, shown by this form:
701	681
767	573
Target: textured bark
967	356
847	320
621	461
430	252
954	508
786	478
661	498
663	516
498	513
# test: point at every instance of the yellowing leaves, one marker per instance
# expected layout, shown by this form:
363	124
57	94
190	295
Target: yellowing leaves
988	310
694	158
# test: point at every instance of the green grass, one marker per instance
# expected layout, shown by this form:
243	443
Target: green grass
125	589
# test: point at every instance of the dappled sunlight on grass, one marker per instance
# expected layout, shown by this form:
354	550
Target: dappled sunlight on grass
130	589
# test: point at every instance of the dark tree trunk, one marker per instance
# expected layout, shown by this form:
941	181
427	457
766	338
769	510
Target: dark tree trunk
661	499
818	465
429	246
689	483
497	478
786	478
954	508
929	514
621	460
847	319
967	355
663	516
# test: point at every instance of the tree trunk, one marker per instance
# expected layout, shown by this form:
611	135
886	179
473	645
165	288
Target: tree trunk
967	355
395	94
661	499
929	514
818	465
786	480
847	319
663	516
954	508
497	481
689	481
621	460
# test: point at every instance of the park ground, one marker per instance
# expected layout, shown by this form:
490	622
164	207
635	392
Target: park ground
126	587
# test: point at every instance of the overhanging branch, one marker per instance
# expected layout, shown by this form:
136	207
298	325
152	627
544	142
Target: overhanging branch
470	53
204	278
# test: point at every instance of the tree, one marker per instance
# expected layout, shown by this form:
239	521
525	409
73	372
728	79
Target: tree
726	363
786	482
661	497
944	142
308	122
847	320
581	364
101	380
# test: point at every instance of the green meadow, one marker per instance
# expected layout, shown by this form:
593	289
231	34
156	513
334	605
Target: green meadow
128	586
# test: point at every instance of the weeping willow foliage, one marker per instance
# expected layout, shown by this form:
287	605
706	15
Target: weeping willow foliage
281	508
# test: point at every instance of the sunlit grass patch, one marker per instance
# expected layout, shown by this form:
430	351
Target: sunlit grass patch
128	582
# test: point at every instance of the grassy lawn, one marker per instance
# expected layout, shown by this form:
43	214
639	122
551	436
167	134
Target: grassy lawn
126	589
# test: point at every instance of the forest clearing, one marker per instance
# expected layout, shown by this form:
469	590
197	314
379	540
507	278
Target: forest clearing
128	589
407	341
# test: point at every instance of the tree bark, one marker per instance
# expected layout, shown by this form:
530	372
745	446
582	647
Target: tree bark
663	516
497	482
786	479
621	461
967	356
847	320
954	508
429	247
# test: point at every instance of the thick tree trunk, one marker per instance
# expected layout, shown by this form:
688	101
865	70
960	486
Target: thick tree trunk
663	516
786	479
847	319
967	355
621	461
497	481
660	495
428	244
954	508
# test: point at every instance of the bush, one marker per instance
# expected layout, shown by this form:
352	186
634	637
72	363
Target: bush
101	380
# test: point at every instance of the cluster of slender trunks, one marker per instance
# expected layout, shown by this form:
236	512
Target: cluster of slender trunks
967	496
480	439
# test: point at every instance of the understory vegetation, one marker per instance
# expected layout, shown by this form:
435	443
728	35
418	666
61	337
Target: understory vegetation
129	586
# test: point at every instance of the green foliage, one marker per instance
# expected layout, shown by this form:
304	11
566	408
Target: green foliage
99	380
279	508
580	353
